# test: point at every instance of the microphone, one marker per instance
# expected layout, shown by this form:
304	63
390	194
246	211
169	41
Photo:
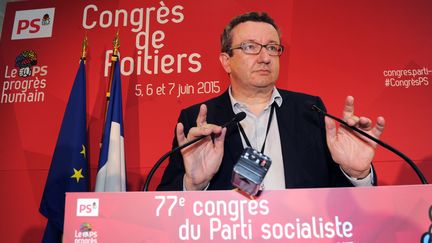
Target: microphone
236	119
400	154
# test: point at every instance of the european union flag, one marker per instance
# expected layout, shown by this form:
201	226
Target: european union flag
69	167
111	175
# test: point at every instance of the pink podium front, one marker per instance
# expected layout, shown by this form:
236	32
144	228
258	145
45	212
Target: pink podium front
376	214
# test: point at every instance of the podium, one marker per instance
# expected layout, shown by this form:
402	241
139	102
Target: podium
373	214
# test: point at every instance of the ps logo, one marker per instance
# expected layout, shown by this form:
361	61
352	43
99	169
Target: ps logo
87	207
35	23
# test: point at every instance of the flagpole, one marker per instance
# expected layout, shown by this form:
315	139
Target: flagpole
114	59
83	59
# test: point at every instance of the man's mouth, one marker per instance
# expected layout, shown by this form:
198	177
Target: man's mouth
262	71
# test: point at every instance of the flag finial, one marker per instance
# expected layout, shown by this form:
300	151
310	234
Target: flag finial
84	48
116	44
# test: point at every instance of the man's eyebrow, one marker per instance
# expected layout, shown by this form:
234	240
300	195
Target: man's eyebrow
250	40
273	42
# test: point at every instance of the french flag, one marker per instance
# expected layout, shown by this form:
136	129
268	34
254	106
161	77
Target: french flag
111	175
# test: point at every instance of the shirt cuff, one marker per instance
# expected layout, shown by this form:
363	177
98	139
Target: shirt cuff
367	181
185	189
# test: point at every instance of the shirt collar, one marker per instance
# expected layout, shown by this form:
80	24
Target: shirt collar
275	98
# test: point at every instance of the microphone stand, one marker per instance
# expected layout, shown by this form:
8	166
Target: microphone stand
237	118
166	155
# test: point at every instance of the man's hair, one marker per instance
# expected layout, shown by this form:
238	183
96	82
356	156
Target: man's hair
226	37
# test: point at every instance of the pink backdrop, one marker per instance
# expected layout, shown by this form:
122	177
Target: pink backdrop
333	48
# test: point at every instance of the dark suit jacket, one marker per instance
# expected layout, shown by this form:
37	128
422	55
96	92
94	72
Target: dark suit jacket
307	160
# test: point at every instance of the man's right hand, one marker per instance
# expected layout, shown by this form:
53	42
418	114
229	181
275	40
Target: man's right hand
202	159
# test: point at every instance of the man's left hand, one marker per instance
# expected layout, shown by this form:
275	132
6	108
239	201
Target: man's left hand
353	152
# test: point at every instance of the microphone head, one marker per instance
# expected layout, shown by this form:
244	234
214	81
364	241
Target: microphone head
239	117
236	119
312	106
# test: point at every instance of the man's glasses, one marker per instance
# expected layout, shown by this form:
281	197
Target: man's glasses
253	48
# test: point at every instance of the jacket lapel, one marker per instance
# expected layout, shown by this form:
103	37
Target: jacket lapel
285	117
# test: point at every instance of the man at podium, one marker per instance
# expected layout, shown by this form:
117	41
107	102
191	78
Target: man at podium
307	150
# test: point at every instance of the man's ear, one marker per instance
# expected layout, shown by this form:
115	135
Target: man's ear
224	59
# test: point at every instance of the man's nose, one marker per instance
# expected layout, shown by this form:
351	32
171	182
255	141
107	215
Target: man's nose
263	56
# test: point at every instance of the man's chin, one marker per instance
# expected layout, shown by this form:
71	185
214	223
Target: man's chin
266	82
264	85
